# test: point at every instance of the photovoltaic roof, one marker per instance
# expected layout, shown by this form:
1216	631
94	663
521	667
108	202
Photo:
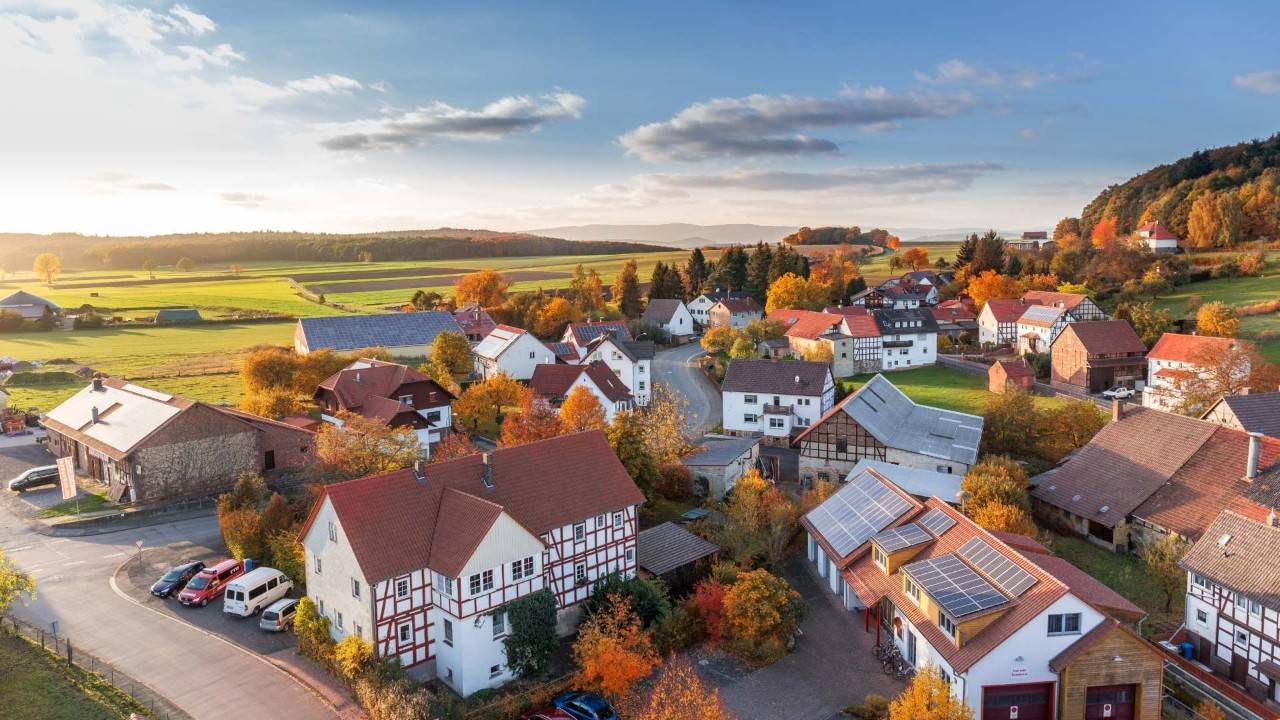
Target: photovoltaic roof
937	522
901	537
1002	571
860	509
957	587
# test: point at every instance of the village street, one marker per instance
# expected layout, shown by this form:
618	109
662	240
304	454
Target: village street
677	368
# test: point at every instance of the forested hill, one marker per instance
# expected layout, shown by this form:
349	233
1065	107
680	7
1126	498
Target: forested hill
18	250
1236	186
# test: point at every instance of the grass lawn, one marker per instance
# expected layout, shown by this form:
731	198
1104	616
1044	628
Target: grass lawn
660	510
942	387
212	388
89	502
1123	573
1238	292
36	686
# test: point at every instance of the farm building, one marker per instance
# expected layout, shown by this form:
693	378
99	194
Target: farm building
408	334
718	462
1096	355
671	552
1248	411
30	307
1004	374
178	316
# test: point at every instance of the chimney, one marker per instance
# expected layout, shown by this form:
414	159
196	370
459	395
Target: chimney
487	476
1117	409
94	412
97	384
1255	449
418	474
357	376
1245	391
1272	519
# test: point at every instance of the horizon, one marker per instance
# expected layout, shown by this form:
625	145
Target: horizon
172	118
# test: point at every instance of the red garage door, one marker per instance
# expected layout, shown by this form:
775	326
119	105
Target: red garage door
1033	701
1110	702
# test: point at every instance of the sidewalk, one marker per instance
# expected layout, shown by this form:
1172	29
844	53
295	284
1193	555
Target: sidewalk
320	682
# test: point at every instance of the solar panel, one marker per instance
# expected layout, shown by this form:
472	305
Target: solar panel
1002	571
860	509
901	537
955	586
937	522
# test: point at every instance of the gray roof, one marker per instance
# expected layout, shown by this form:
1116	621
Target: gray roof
27	305
1257	412
921	483
777	377
1239	553
353	332
899	422
178	315
668	546
720	451
888	318
661	310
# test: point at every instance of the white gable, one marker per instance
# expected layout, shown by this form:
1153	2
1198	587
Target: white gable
506	541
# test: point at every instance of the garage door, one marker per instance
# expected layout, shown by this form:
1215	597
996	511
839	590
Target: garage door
1110	702
1017	702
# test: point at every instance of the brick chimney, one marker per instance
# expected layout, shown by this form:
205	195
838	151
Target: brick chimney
1255	450
97	384
1245	391
1117	409
487	476
418	474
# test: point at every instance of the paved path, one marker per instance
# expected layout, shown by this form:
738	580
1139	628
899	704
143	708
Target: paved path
678	368
200	673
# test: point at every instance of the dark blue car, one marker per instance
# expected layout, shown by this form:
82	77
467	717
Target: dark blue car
584	706
176	579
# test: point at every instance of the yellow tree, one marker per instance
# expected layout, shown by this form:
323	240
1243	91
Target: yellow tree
679	694
272	403
613	652
794	292
929	697
482	402
991	285
451	350
1202	223
581	411
1002	516
663	424
47	267
1218	319
719	340
269	368
554	317
14	583
761	612
487	287
996	479
361	446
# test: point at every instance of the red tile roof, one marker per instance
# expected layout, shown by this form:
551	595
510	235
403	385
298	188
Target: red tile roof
1007	311
1066	301
847	310
354	386
953	312
1157	231
396	524
1105	337
807	324
1185	348
1015	368
1104	629
555	381
1086	587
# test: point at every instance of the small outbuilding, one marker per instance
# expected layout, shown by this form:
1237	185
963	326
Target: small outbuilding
718	462
1004	374
178	316
674	554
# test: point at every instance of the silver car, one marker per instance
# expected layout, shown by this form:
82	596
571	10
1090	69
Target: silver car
279	615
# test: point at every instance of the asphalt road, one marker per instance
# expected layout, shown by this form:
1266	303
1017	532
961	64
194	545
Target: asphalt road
677	368
202	674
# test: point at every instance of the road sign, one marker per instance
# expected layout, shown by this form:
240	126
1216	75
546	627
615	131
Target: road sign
138	543
67	476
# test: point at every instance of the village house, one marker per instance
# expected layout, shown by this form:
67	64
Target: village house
1039	326
510	350
671	315
1157	238
1094	356
1149	473
1248	411
403	334
718	462
869	298
908	337
474	321
998	321
580	334
955	319
552	383
1015	632
903	294
733	313
774	399
630	360
851	338
421	562
148	446
879	422
1029	241
1175	361
390	394
701	305
1004	374
1080	307
1233	603
919	483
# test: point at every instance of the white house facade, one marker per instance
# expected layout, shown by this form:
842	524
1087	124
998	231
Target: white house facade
630	360
775	398
671	315
1176	360
510	350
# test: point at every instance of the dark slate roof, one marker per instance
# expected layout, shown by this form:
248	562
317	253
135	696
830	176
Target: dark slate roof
661	310
725	295
779	377
178	315
668	546
1258	412
887	319
720	451
354	332
640	349
584	332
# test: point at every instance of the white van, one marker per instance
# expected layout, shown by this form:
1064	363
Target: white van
254	590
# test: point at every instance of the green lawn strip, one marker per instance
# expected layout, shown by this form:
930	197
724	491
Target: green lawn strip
135	350
940	386
213	388
38	686
661	509
89	502
1123	573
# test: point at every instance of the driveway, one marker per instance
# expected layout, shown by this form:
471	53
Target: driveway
678	368
831	668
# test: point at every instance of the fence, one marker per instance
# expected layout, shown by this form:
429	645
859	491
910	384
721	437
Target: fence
158	705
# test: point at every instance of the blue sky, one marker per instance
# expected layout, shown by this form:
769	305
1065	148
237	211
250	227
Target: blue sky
162	117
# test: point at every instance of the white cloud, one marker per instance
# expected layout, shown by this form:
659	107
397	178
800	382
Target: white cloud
876	180
326	84
959	71
194	22
1263	82
776	125
113	182
195	58
500	118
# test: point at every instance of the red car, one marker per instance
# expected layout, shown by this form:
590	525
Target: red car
210	582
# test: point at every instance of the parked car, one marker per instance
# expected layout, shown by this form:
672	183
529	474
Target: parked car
250	593
279	616
1118	393
210	582
35	477
174	580
584	706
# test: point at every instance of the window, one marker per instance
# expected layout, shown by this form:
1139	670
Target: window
1202	617
521	569
433	417
405	632
1241	601
337	615
580	532
945	623
601	520
1242	637
402	588
318	566
481	582
631	555
444	585
944	469
359	631
879	557
776	423
531	355
333	531
1199	580
641	384
749	418
750	399
495	671
499	625
617	520
1255	607
320	605
355	588
912	589
1064	624
407	400
580	573
448	633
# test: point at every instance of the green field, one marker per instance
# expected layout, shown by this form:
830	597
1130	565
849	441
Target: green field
1237	292
37	686
942	387
1123	573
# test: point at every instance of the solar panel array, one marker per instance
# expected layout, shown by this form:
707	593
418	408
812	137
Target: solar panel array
860	509
1002	571
957	588
901	537
937	522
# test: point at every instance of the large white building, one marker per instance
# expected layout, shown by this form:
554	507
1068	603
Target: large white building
420	562
510	350
630	360
775	398
1177	360
1158	238
908	337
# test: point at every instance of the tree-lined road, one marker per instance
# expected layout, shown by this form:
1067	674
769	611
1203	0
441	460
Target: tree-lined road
678	369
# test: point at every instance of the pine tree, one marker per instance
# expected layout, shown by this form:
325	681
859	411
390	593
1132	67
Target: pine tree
964	255
758	272
695	273
626	290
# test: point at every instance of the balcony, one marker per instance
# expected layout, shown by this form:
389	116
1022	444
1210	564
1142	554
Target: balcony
778	409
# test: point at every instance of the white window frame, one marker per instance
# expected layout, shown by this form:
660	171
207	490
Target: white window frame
333	531
580	573
319	566
406	585
580	532
403	629
355	588
618	517
499	625
447	636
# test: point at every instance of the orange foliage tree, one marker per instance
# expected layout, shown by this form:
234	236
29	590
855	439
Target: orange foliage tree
708	598
991	285
536	421
761	612
487	287
678	692
581	411
479	406
916	257
929	697
361	446
1104	233
893	242
454	446
1001	516
613	651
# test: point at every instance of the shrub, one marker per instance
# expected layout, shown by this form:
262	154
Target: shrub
648	598
10	321
873	707
353	657
678	630
674	482
88	321
1251	263
392	701
531	635
1228	269
312	631
761	614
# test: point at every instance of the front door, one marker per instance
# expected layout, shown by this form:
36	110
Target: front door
1110	701
1239	669
1033	701
1204	650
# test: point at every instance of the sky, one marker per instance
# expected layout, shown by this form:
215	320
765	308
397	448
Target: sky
156	117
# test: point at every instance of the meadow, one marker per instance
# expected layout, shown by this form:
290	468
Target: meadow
942	387
1236	292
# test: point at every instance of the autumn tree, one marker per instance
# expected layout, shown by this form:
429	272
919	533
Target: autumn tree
362	446
47	267
1003	517
1230	220
916	257
537	420
267	368
481	404
1160	558
743	349
426	300
1066	427
1149	322
486	287
453	446
893	242
761	612
274	403
719	340
1009	424
1225	370
1066	226
613	652
1104	233
313	368
995	479
626	434
1217	319
678	692
581	411
991	285
554	316
149	266
1210	710
14	584
791	291
185	264
929	697
626	290
760	521
452	351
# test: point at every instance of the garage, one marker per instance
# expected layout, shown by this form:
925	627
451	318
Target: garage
1110	702
1031	701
